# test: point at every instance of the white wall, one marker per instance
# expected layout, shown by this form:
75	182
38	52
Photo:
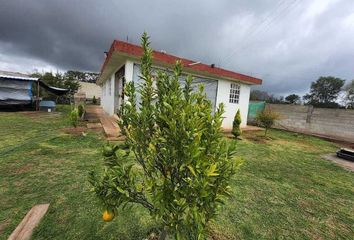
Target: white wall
223	92
107	100
231	108
129	68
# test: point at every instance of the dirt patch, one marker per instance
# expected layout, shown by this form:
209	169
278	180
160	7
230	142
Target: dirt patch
74	131
37	114
24	168
219	235
256	137
3	225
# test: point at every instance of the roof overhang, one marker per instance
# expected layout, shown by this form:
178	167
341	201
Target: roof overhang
120	52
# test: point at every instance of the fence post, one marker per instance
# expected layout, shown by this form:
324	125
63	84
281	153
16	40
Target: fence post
309	114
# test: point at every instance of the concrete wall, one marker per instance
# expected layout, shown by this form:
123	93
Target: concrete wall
90	89
231	108
332	123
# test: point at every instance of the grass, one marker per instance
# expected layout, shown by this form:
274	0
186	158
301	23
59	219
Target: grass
284	190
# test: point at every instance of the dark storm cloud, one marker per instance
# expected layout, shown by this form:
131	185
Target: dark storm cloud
288	43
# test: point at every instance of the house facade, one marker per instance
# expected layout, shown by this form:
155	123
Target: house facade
122	65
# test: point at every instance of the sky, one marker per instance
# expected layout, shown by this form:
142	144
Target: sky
287	43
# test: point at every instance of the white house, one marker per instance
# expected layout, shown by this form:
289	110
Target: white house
122	65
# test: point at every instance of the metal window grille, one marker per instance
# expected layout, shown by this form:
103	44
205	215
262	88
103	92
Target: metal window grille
234	93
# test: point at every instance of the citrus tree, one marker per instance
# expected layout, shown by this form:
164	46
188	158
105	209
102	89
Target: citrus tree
175	161
236	130
267	118
74	117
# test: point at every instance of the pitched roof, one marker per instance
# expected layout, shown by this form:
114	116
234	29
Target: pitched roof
136	52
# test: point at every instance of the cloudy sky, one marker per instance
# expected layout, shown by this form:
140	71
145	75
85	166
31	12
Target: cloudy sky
287	43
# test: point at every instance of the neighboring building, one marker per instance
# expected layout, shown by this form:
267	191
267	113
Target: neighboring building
90	89
15	88
122	64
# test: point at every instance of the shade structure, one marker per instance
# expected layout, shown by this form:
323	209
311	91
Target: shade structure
16	88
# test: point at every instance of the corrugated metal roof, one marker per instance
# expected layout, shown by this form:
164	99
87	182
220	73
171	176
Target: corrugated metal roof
16	76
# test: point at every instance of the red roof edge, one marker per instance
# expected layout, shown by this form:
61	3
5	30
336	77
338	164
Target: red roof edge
136	51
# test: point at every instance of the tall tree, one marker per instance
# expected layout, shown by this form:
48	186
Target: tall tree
258	95
349	94
293	99
324	92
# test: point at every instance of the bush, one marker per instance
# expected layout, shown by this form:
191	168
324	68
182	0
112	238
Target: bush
81	110
236	130
74	117
266	119
182	163
94	100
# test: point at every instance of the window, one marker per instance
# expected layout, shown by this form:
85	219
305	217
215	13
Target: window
234	93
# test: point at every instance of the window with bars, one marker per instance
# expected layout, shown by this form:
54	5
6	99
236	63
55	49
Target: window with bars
234	93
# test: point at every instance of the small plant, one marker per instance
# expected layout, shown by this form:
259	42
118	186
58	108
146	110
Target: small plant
74	117
266	119
94	100
236	130
81	110
175	161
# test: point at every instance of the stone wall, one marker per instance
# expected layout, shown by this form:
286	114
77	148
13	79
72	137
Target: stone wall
325	122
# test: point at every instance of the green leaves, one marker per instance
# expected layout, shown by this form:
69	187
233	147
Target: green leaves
74	117
181	162
192	170
236	129
211	172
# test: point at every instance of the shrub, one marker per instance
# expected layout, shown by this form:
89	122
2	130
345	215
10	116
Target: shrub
94	100
236	130
81	110
74	117
266	119
182	163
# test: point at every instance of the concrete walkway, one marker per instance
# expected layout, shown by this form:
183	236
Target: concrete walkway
349	165
109	124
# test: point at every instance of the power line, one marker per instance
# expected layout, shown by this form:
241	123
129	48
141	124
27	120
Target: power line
265	28
257	25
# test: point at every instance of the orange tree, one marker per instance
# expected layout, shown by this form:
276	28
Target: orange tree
266	119
182	164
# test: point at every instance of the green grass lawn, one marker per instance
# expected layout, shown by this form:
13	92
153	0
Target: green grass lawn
284	190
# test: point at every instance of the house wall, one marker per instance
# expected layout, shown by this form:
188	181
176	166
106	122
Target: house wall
231	108
107	100
218	91
210	85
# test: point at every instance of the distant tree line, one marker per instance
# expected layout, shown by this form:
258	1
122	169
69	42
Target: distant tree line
68	80
325	92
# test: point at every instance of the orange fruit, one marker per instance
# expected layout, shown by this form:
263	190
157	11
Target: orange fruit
107	216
